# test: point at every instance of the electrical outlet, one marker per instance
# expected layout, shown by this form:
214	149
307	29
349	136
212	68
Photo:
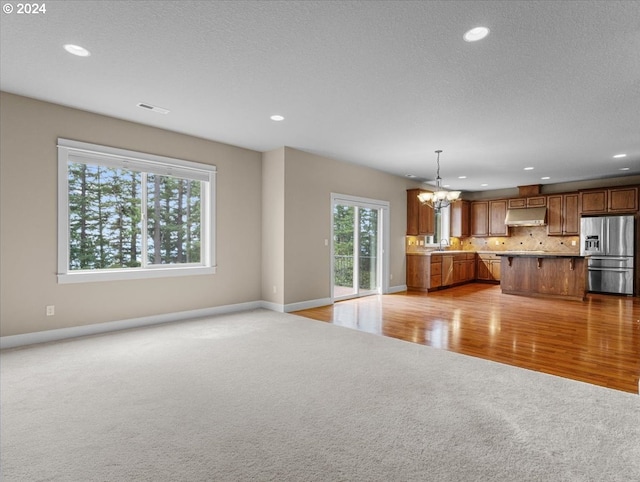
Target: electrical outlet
51	310
274	289
573	242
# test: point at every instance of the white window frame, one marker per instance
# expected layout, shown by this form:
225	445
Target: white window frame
142	162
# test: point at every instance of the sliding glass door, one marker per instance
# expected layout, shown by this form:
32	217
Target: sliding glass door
357	248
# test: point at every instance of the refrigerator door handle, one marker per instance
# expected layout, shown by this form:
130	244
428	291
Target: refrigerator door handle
612	270
615	258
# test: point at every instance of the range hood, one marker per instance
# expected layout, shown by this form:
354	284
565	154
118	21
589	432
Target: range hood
526	217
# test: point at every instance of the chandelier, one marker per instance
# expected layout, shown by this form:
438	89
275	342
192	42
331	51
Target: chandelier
440	198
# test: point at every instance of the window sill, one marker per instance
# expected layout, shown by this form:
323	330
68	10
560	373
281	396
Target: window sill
133	273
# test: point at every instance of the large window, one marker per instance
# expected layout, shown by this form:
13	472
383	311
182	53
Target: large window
125	214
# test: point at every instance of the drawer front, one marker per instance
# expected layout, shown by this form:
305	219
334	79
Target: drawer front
436	281
436	269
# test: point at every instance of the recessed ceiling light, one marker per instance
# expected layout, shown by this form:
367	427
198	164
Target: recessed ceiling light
153	108
476	34
484	184
277	118
77	50
545	178
618	156
410	175
462	177
529	168
624	168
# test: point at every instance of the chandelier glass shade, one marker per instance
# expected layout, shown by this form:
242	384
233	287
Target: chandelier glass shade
439	198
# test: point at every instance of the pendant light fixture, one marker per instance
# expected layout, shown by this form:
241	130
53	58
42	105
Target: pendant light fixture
440	198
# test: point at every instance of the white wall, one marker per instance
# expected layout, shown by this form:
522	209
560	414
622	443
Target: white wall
28	241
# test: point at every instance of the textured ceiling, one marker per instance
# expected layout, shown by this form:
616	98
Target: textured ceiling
555	86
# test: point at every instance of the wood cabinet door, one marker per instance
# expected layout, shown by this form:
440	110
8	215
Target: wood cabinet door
417	272
537	201
426	220
570	215
413	211
517	203
483	268
479	218
447	270
420	217
495	269
622	200
460	213
497	213
593	202
554	215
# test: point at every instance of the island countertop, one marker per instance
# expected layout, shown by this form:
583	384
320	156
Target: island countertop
540	254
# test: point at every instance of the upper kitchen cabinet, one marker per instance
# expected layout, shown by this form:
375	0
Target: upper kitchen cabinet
460	219
487	218
611	200
420	217
497	214
479	218
562	215
527	202
623	199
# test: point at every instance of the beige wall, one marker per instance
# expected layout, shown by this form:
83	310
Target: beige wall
273	226
309	182
28	161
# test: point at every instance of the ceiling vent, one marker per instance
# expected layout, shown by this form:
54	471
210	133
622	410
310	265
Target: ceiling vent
153	108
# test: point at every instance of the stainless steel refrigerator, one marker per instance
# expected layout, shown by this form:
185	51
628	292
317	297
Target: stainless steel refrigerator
609	242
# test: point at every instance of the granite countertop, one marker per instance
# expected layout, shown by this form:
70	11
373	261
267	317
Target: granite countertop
536	254
540	254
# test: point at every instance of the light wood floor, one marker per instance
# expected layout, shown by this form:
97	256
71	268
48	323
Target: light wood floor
595	341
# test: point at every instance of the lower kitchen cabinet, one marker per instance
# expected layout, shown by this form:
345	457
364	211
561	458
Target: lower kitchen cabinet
488	267
439	270
424	272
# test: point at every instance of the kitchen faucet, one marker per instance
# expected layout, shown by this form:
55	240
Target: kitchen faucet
446	243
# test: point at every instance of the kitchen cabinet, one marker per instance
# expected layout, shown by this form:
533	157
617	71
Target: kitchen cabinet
420	217
464	268
610	200
488	267
623	200
593	202
487	218
556	276
497	213
562	215
423	272
479	218
439	270
417	272
528	202
460	219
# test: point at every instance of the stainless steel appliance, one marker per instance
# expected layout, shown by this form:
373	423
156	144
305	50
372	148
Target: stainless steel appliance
608	240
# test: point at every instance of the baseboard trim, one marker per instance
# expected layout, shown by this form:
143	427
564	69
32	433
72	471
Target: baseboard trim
14	341
397	289
305	305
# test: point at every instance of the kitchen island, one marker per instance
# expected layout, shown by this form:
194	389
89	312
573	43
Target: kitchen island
538	273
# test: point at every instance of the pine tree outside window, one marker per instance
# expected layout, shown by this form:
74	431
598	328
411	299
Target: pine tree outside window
125	214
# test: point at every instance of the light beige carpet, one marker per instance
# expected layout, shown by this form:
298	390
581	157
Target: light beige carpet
266	396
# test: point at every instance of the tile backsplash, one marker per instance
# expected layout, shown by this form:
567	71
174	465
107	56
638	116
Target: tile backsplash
523	238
